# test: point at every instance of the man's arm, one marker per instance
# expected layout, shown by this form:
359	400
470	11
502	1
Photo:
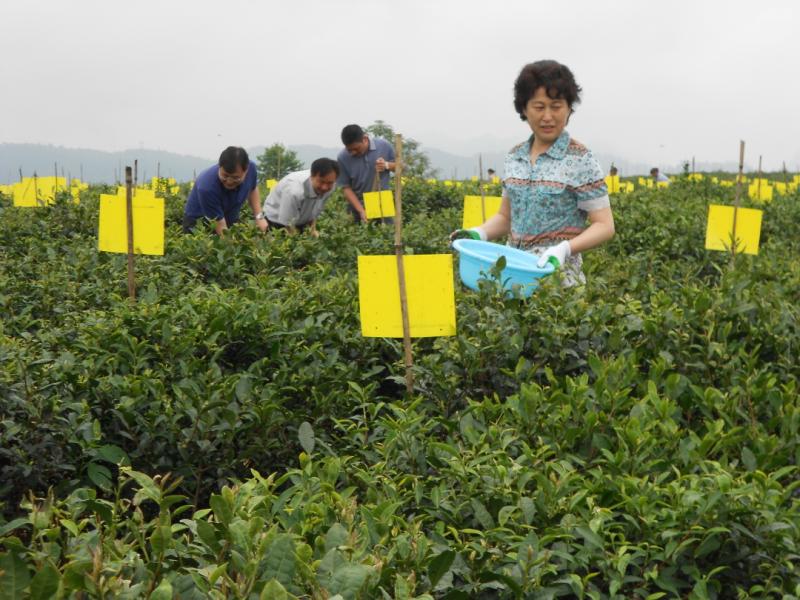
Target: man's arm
312	229
220	225
255	205
351	197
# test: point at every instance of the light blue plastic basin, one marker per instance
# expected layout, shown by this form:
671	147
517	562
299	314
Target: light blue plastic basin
476	258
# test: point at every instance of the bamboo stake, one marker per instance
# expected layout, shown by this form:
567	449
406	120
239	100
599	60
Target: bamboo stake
129	218
135	172
398	250
55	182
759	179
376	187
483	192
35	189
20	175
736	201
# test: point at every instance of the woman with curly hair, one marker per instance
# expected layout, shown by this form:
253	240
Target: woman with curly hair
552	184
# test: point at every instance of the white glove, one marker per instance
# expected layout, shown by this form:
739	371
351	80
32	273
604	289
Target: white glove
556	255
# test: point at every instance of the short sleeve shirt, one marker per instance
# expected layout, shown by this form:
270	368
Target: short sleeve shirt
293	200
358	172
550	199
210	199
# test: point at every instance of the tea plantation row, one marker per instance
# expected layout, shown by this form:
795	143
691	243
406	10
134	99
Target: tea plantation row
231	434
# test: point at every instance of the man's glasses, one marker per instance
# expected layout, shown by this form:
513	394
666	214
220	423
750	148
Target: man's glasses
231	178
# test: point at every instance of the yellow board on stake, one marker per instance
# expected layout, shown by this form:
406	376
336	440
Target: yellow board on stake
719	232
612	183
6	190
695	177
662	184
138	193
626	187
379	204
37	191
429	291
148	225
472	210
760	193
271	183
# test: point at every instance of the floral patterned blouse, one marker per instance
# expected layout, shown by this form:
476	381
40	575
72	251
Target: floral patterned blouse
550	199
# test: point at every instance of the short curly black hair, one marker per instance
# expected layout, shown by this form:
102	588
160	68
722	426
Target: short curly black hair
557	80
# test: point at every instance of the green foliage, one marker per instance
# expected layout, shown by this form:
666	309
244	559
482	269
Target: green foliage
277	161
232	435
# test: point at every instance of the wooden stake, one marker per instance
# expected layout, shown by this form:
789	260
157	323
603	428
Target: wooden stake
758	189
398	250
81	172
55	182
129	218
20	174
158	171
483	192
35	188
135	172
736	201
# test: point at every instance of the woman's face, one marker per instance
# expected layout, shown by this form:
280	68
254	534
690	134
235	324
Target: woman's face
546	116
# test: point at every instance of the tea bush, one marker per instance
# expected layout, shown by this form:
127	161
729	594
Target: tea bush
231	434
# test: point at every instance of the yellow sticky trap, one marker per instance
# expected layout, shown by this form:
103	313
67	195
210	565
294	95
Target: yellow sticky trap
379	204
139	193
148	224
695	177
627	186
6	190
662	184
780	188
271	183
174	189
726	183
474	178
495	179
429	292
612	183
719	232
796	180
37	191
760	193
473	215
431	180
448	183
715	180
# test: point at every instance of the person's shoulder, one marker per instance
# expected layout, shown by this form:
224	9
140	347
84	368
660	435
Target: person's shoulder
343	155
207	179
576	148
516	149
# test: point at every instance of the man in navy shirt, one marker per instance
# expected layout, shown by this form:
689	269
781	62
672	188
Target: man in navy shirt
220	191
363	156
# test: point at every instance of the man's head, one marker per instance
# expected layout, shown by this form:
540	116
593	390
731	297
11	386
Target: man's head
324	172
355	141
233	165
654	172
612	171
490	173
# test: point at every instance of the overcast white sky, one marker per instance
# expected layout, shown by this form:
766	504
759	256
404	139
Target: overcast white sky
662	81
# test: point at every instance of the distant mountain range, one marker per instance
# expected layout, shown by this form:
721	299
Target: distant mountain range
97	166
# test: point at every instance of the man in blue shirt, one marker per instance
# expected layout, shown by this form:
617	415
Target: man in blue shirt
362	158
220	191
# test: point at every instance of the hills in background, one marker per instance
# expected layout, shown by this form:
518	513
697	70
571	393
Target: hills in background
97	166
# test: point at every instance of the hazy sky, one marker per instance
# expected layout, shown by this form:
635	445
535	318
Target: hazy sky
662	81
